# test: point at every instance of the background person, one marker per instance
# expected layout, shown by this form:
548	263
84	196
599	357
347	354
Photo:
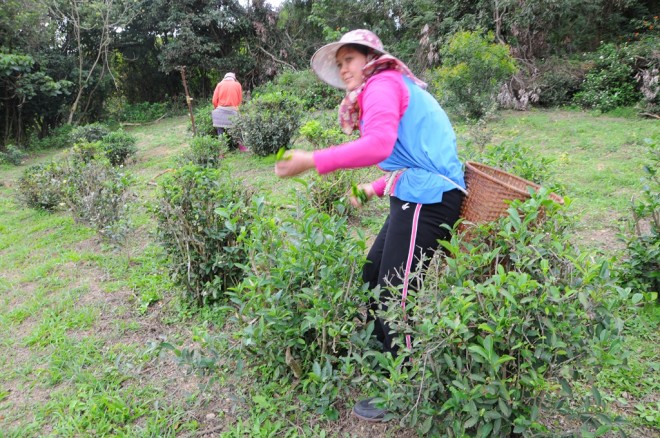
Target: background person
227	97
407	134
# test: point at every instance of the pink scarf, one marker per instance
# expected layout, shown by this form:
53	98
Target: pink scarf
349	110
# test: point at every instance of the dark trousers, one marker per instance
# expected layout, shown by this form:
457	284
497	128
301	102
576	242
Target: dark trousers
410	231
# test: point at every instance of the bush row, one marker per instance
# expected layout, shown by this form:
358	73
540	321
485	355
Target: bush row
502	327
89	181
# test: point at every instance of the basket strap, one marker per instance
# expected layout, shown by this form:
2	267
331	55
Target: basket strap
456	185
392	176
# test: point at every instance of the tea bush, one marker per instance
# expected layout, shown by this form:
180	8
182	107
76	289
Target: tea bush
473	70
85	152
206	151
12	155
118	147
201	213
518	160
640	269
268	122
88	133
501	323
327	193
40	186
203	121
324	131
298	311
97	195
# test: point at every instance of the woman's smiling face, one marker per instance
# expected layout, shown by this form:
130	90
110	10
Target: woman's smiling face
350	63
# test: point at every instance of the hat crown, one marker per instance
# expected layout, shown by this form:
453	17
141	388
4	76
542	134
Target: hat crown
364	37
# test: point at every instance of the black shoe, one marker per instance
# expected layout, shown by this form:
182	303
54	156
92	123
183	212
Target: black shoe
366	410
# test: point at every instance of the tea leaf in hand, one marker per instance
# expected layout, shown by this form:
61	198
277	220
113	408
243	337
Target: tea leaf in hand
280	155
359	194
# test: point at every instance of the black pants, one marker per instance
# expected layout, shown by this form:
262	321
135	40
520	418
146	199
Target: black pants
410	231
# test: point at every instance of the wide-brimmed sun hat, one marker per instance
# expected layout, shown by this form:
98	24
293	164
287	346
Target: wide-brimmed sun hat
324	61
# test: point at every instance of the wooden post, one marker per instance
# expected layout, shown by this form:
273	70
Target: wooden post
188	99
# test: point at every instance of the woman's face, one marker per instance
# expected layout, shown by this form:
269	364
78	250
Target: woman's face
350	63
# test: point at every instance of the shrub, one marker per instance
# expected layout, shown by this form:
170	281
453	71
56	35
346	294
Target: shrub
143	112
640	269
203	121
118	109
313	93
59	138
512	157
88	133
118	147
85	152
500	323
323	132
518	160
97	195
40	186
206	151
647	71
12	155
328	193
268	122
610	83
473	70
298	308
559	80
201	213
205	128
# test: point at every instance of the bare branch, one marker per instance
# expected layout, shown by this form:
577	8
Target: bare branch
275	59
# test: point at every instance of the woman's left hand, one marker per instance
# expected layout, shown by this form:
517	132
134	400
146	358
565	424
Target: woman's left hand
368	193
294	162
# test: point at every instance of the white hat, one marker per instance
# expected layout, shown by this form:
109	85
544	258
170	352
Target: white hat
229	76
324	61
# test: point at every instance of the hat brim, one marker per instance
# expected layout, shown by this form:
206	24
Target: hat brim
324	63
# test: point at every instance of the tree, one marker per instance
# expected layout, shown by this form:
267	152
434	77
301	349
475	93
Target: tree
473	70
33	92
89	28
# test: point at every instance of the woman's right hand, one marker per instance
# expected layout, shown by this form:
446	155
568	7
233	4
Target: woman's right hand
294	162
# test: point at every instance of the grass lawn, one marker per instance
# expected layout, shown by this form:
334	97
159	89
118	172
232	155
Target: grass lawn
80	317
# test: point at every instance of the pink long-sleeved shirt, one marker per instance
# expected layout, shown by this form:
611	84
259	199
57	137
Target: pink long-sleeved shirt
382	102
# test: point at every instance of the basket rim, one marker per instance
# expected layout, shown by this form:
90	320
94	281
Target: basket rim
474	166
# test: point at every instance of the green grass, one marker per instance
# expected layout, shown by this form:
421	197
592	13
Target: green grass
79	317
599	159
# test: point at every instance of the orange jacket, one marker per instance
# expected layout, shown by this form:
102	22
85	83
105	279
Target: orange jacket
228	93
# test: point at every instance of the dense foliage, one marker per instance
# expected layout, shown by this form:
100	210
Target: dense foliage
268	122
501	321
473	71
205	151
201	214
304	85
88	181
67	63
641	234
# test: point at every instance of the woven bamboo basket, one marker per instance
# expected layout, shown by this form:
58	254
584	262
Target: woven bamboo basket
489	189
